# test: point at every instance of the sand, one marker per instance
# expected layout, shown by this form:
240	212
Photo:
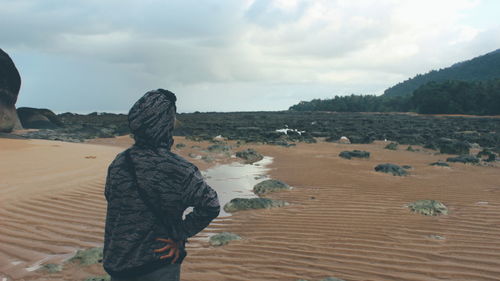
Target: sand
344	219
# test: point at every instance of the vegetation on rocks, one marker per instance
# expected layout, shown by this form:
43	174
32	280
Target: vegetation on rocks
223	238
268	186
240	204
393	169
428	207
355	154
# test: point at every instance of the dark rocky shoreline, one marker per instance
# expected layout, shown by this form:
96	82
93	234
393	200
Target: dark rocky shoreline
260	127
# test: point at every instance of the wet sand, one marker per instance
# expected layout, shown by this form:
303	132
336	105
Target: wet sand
345	220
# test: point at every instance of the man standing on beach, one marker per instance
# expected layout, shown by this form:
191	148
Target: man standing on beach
148	189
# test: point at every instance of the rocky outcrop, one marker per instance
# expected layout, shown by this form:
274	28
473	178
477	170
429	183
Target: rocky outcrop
240	204
268	186
223	238
393	169
428	207
354	153
250	156
35	118
10	83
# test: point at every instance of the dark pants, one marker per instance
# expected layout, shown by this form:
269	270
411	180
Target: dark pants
170	272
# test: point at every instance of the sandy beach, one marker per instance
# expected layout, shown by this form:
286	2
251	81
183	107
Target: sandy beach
344	219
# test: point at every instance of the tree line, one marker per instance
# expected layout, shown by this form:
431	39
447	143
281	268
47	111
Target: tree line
449	97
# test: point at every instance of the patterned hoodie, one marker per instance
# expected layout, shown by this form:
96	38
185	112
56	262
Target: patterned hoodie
171	184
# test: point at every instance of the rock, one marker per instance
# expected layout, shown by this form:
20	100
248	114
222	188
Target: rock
239	204
99	278
407	167
250	156
52	267
88	256
428	207
440	163
452	146
218	148
354	153
194	155
487	155
344	140
223	238
10	83
207	158
34	118
331	279
180	145
392	146
393	169
268	186
410	148
282	143
463	159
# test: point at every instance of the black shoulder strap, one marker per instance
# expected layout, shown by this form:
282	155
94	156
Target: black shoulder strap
162	219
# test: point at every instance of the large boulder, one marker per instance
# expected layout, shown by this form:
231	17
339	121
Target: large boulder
38	118
240	204
10	83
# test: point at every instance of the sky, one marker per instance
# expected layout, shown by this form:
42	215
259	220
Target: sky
233	55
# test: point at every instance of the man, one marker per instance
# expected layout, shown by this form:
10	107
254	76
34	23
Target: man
148	189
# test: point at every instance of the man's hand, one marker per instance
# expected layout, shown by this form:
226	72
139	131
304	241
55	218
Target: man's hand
172	246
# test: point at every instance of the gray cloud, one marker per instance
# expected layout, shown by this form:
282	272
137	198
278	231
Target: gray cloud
221	54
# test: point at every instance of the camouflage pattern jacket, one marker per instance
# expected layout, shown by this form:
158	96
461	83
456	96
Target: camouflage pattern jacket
171	184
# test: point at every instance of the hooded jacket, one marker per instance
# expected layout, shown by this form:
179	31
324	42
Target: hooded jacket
170	183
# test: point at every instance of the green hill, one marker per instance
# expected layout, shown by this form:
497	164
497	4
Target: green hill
485	67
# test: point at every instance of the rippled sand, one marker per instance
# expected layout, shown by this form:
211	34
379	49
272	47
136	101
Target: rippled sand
345	220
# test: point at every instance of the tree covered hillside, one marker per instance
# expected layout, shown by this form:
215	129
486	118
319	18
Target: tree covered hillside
485	67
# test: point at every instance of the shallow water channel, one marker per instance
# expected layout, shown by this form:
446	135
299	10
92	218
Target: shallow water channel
236	180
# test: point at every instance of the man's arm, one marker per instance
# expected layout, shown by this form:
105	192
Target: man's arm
203	198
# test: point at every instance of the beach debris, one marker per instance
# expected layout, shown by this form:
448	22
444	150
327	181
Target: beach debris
99	278
428	207
354	153
240	204
392	146
52	267
463	159
268	186
393	169
344	140
223	238
90	157
436	237
440	163
250	156
180	145
88	256
453	146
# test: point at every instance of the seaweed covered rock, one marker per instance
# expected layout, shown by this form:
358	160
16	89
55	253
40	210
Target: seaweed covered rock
268	186
240	204
180	145
463	159
38	118
250	156
218	148
393	169
453	146
88	256
428	207
52	267
392	146
440	163
223	238
354	153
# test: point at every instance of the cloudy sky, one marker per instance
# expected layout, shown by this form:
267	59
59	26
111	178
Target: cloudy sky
232	55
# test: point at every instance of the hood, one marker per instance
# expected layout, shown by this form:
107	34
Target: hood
151	119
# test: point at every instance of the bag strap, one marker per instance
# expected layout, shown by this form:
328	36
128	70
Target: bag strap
162	219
